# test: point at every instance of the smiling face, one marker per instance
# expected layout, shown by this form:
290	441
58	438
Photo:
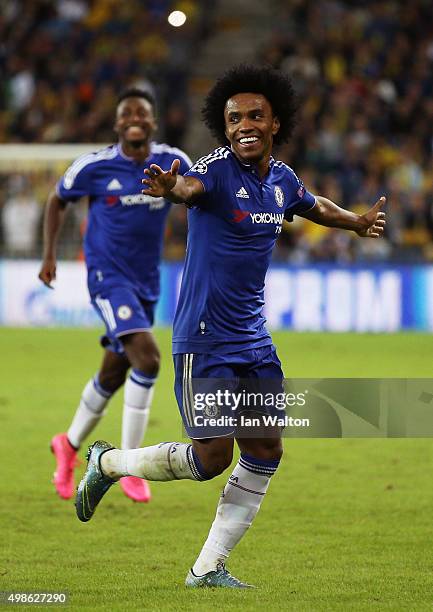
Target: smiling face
135	124
250	127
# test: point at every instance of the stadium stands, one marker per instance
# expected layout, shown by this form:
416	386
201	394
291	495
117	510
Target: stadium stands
363	72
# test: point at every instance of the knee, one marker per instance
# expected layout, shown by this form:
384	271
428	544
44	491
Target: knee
154	362
215	463
111	381
142	352
150	362
274	449
216	467
268	449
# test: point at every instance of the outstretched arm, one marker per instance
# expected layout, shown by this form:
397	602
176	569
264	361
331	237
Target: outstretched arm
53	221
170	185
369	225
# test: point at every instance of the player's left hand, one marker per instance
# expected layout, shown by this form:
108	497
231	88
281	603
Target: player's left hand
374	220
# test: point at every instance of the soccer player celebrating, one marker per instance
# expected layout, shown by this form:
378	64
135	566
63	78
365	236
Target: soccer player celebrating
238	196
123	245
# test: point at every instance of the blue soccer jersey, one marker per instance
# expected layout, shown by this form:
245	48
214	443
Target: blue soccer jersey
125	229
233	227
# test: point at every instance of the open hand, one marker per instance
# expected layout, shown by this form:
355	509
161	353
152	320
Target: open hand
160	183
374	221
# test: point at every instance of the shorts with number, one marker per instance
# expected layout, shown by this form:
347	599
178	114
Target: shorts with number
123	313
206	372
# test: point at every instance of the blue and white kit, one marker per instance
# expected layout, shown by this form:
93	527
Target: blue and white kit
124	235
233	228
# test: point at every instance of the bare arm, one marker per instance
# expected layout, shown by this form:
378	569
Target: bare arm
53	220
369	225
170	185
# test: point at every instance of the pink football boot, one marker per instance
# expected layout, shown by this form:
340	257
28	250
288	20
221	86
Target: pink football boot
66	457
136	488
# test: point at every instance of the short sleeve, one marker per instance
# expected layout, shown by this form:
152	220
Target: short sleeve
204	173
208	168
301	201
75	183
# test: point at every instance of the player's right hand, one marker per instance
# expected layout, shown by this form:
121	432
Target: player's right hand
47	273
160	183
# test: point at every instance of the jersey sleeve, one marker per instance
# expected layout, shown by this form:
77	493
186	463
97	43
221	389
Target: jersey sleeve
208	169
301	200
75	183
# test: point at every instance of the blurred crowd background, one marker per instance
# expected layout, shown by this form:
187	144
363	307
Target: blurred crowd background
363	72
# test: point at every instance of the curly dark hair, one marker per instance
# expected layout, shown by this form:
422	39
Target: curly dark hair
275	86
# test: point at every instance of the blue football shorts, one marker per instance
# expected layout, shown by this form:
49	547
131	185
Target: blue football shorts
123	312
197	375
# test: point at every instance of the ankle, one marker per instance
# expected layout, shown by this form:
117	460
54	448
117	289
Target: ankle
73	448
111	464
208	561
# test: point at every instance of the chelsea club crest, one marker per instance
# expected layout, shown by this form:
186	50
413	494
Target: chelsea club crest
124	312
211	410
279	196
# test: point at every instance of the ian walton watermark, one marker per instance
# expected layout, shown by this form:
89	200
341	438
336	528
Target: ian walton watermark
309	408
250	421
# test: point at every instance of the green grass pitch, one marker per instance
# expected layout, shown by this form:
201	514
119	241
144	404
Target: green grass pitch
346	525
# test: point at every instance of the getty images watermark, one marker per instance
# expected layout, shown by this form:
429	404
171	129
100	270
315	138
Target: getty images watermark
242	408
309	408
209	408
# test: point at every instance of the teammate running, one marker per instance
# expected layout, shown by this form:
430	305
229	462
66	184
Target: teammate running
123	246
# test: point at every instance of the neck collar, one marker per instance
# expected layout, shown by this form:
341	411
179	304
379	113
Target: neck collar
132	159
250	167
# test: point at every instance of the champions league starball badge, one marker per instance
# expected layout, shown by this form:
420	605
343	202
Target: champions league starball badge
200	167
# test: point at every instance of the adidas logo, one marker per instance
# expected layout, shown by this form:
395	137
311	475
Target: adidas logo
242	193
114	184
